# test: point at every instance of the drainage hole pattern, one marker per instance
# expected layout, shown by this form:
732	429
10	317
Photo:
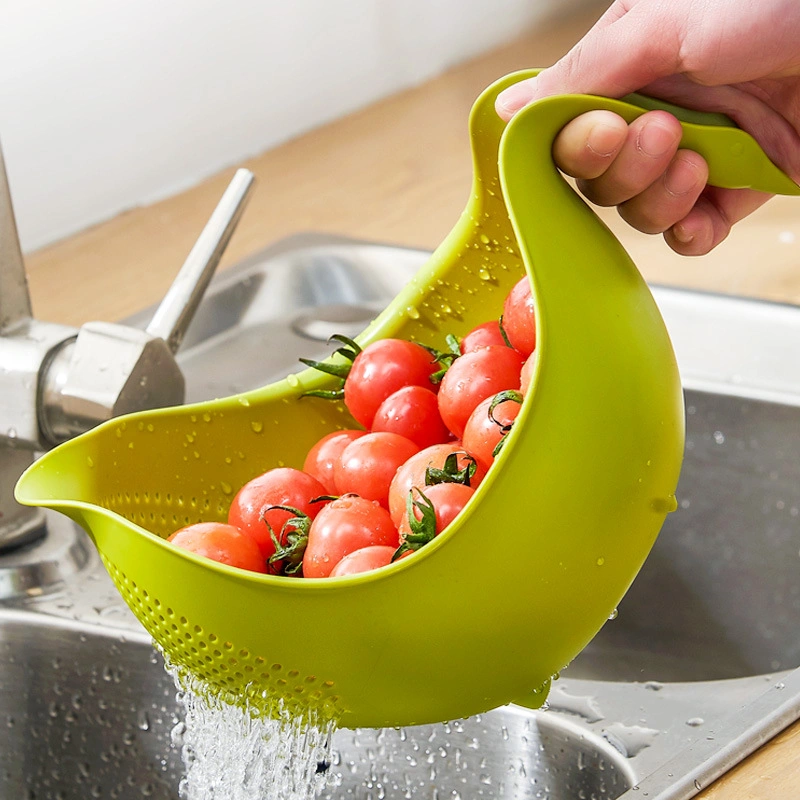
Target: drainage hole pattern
229	671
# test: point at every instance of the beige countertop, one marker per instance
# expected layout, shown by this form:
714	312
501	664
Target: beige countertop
399	172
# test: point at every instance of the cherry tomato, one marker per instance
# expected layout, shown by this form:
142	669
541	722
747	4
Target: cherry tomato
343	526
447	500
412	473
382	368
526	373
474	377
519	318
483	335
364	560
369	463
222	543
322	458
484	431
413	412
282	486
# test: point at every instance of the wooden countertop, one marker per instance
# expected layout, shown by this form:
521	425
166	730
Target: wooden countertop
399	172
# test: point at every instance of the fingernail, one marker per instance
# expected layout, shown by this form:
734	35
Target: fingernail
654	141
603	140
681	177
681	234
515	97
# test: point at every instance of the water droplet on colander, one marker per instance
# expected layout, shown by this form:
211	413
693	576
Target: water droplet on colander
600	561
257	426
412	312
243	401
484	238
292	380
190	437
89	461
614	614
206	417
226	487
484	274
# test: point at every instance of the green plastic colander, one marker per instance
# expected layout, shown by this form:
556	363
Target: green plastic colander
551	540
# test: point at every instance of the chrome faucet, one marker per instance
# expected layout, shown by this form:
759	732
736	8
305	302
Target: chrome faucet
57	382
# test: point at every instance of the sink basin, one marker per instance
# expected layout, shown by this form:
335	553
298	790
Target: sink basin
87	710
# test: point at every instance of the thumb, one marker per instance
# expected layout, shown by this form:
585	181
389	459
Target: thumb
627	49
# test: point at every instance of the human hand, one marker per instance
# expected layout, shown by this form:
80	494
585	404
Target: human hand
732	56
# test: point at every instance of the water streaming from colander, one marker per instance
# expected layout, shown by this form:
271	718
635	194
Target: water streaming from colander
231	752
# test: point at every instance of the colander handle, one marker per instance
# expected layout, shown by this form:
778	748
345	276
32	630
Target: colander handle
179	305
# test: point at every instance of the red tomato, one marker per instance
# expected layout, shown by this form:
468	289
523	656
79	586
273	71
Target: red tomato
447	500
382	368
369	463
222	543
364	560
283	486
483	335
474	377
343	526
526	374
322	458
413	412
412	473
519	318
483	432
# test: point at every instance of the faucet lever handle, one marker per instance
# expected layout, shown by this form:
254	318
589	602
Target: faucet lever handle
15	301
178	307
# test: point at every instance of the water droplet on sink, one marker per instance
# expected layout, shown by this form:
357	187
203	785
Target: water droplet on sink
582	705
629	739
719	437
695	722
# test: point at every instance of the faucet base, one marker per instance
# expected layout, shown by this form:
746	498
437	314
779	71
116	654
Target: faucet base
44	562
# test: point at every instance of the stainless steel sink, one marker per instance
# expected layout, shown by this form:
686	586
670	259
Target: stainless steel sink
86	708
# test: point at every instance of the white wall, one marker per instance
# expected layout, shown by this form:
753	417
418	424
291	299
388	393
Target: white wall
108	104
